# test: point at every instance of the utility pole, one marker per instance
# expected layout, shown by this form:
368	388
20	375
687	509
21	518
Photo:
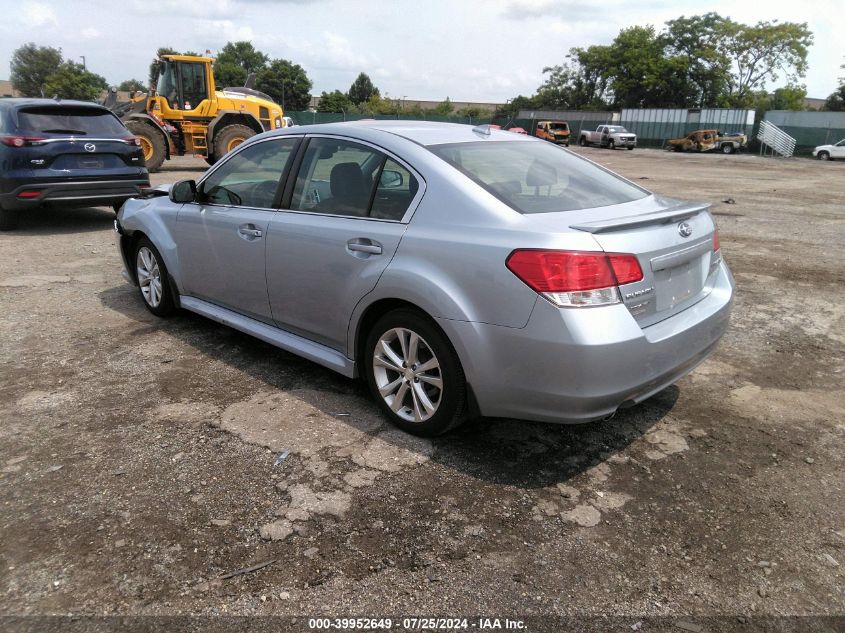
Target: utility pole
84	67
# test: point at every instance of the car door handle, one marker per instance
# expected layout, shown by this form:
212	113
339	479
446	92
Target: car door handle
364	245
249	230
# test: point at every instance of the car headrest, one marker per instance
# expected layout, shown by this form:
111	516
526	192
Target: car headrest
347	182
540	174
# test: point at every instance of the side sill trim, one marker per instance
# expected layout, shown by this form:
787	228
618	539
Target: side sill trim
320	354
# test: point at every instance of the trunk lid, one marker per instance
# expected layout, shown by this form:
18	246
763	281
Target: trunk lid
673	242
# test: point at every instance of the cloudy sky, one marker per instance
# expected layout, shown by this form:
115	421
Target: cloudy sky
469	50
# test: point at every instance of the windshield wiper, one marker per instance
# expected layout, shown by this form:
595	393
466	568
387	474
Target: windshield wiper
59	131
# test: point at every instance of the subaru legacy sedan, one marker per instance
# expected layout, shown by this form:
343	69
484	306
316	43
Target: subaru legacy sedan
461	271
67	153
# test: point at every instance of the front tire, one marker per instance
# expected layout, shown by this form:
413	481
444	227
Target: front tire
230	137
153	280
152	143
414	374
611	144
824	156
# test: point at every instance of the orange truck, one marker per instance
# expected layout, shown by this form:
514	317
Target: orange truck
553	131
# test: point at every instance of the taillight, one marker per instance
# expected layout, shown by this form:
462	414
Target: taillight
575	278
19	141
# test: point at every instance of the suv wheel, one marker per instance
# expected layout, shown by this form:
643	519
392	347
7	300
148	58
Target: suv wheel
414	374
727	148
153	282
8	219
824	156
611	144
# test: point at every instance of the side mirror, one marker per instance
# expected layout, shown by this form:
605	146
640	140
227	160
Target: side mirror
391	179
183	191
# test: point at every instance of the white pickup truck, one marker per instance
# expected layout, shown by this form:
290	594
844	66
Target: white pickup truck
611	136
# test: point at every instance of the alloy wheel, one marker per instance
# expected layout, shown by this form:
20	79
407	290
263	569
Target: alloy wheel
407	374
149	276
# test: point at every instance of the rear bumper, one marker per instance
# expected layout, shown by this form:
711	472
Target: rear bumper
577	365
73	193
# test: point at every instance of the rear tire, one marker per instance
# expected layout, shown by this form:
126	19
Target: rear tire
727	148
630	148
582	141
414	374
8	219
152	142
153	280
230	137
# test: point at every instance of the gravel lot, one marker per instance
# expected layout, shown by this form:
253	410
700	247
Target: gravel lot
137	454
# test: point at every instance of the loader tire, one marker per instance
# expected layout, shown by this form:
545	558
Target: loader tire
229	138
152	142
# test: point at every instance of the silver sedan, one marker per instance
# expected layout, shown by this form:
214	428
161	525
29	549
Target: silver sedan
458	270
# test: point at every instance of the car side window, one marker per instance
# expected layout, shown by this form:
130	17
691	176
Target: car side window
394	193
251	177
337	178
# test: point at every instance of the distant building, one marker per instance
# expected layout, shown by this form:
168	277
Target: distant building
6	89
814	104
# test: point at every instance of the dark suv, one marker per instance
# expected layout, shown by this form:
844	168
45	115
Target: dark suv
66	153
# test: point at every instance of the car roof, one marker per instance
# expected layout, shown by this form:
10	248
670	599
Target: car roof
15	103
420	132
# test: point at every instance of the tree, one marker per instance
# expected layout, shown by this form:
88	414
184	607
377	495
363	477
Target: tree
444	108
698	40
334	102
164	50
235	62
73	81
287	83
131	85
760	53
836	101
31	66
362	89
790	97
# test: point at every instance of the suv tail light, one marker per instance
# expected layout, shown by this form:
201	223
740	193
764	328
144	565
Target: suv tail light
19	141
574	278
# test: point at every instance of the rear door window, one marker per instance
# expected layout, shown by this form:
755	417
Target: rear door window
69	120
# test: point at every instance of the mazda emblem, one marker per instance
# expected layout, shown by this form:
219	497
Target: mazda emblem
90	147
684	229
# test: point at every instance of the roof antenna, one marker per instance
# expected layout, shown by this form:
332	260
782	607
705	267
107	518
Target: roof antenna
482	129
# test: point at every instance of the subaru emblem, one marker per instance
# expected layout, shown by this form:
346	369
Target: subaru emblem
684	229
90	147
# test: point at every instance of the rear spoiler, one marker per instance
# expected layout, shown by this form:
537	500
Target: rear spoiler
666	216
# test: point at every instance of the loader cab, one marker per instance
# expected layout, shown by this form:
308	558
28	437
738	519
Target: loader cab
184	85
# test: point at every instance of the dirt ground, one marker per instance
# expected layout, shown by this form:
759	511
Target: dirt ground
137	454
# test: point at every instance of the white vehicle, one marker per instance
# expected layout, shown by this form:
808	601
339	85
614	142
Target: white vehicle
829	152
610	136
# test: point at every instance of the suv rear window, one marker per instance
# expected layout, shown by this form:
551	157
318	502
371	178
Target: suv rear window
537	177
68	120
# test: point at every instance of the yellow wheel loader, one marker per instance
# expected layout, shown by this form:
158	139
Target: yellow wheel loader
185	114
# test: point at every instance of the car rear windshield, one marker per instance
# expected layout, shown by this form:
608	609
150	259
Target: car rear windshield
69	120
538	177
